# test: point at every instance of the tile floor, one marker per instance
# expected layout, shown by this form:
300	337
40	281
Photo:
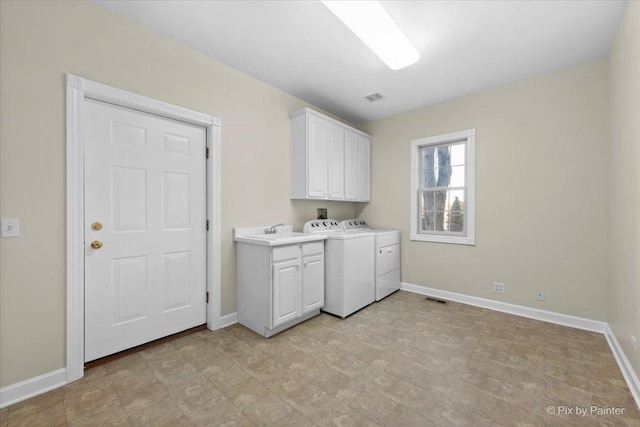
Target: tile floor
404	361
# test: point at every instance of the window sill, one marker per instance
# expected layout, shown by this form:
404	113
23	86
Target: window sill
458	240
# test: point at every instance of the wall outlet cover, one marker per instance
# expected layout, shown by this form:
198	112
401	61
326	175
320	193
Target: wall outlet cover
10	227
498	288
540	295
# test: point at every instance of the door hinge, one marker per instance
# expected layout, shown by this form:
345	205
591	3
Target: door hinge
207	152
207	296
207	225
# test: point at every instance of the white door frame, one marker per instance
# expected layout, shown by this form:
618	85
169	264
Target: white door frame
78	89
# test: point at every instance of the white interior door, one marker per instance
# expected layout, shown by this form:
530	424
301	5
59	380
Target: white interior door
145	184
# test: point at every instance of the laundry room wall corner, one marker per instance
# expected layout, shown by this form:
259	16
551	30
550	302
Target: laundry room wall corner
89	41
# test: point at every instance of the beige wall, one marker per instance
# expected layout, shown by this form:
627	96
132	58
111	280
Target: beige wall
542	172
624	179
540	183
39	42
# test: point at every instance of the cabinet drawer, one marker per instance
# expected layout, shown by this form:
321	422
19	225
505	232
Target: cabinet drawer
313	248
281	253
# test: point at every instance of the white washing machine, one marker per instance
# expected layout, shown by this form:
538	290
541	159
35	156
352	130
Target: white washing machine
349	282
387	255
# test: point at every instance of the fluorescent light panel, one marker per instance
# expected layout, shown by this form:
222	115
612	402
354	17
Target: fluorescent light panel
373	25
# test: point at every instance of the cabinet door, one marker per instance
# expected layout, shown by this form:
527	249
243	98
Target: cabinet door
364	161
317	158
351	177
287	293
335	162
312	283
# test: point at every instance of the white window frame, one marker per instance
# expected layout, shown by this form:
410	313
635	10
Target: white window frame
469	138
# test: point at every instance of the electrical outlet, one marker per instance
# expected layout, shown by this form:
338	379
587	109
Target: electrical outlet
634	343
540	295
498	288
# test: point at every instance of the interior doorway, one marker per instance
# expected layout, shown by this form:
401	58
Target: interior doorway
127	186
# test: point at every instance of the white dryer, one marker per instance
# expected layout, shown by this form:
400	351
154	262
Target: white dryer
387	255
349	282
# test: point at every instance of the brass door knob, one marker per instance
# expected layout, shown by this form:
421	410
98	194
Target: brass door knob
96	226
96	244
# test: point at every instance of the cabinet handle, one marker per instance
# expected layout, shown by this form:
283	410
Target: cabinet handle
297	266
305	264
389	251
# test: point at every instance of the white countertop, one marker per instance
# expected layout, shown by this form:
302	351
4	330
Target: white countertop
284	236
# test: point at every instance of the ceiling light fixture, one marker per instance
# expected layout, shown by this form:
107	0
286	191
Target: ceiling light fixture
373	25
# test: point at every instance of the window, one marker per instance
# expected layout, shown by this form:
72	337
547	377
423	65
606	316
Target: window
443	188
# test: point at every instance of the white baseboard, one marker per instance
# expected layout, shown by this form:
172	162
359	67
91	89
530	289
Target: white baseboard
228	320
518	310
546	316
625	367
35	386
32	387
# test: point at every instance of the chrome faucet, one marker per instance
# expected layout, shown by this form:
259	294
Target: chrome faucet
273	229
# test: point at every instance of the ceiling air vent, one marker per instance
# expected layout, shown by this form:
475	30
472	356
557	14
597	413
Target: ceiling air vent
374	97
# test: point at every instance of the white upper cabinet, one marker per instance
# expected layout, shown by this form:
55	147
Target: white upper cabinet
351	163
317	148
364	168
356	159
335	162
329	160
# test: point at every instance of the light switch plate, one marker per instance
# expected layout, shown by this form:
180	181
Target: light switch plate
10	227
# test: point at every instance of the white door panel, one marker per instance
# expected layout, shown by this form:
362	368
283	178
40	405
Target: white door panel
364	158
335	162
129	288
286	291
145	182
312	283
317	160
129	199
176	202
351	178
176	271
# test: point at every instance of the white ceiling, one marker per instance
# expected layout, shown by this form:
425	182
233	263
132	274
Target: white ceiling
465	46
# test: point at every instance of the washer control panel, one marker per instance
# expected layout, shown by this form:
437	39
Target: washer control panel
321	226
354	224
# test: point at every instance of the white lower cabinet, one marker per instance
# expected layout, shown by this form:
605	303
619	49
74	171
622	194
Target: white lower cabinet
357	155
279	286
